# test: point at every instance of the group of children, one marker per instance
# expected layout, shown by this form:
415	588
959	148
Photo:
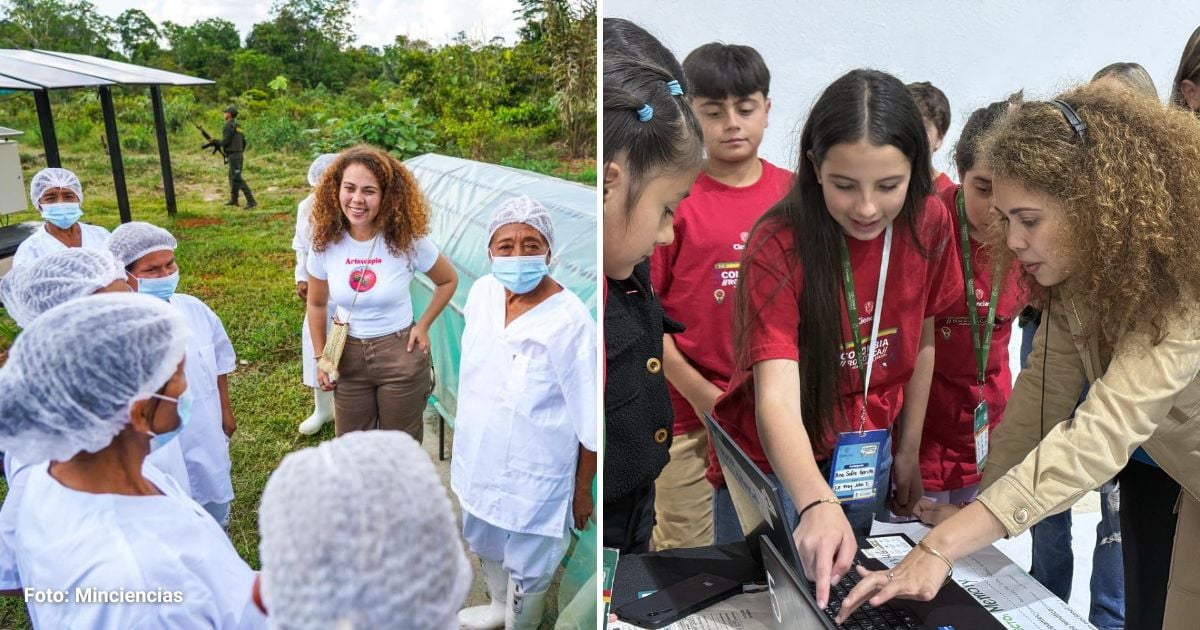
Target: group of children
859	309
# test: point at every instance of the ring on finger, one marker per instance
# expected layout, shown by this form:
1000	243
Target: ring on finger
890	576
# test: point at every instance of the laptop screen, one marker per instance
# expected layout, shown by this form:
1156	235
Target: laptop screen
755	497
790	600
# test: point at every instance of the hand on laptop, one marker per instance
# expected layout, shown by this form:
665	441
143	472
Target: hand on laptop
919	576
826	545
932	513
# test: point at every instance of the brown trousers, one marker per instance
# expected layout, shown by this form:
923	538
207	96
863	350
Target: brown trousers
382	386
1183	588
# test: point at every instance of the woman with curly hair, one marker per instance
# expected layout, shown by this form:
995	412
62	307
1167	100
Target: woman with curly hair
1100	206
370	236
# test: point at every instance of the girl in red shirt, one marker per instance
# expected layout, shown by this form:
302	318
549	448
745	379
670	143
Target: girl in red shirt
812	262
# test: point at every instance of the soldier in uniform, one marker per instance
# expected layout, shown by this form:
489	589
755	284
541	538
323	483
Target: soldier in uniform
234	144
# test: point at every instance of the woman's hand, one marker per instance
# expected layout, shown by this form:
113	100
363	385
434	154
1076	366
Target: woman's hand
919	576
906	474
324	381
932	513
418	337
826	545
302	290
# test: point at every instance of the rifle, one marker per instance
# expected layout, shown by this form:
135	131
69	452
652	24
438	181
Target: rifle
212	143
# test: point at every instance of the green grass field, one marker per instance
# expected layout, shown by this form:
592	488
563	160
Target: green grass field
240	263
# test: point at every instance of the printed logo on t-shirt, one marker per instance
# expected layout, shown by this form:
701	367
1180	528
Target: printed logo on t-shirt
737	247
869	307
726	273
886	347
362	279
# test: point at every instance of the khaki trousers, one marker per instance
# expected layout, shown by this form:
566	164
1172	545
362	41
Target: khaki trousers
382	386
683	496
1183	588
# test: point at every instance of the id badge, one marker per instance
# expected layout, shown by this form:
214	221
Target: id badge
853	475
981	435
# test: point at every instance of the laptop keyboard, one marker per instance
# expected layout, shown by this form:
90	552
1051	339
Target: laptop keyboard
866	617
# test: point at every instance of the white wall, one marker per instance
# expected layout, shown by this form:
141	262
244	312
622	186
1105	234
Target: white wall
976	52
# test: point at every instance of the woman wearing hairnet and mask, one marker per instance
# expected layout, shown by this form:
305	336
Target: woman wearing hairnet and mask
110	542
525	434
57	194
148	254
359	533
26	293
301	242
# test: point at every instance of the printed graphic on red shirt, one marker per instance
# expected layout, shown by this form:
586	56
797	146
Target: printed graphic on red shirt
886	349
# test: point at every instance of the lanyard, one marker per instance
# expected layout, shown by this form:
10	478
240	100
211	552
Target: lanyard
852	311
984	346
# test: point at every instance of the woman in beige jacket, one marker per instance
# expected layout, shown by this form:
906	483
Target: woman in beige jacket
1098	195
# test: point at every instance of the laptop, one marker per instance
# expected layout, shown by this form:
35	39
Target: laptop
760	511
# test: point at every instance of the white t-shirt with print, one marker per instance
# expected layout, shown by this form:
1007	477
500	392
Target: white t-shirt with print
384	303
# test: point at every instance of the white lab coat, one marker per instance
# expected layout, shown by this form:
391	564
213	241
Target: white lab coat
41	243
205	447
526	402
168	459
69	540
301	242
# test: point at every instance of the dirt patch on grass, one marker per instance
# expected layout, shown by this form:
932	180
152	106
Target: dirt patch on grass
200	222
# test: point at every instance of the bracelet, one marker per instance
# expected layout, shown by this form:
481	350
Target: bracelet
935	552
815	504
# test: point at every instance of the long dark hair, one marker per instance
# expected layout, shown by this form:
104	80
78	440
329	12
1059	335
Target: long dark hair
637	71
861	104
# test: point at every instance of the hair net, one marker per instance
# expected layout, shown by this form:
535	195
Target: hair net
74	371
30	290
523	209
130	241
48	178
318	167
358	532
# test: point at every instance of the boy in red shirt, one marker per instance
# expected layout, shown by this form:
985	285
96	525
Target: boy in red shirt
696	276
935	111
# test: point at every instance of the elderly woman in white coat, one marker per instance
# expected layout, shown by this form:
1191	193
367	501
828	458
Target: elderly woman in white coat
109	541
525	434
57	195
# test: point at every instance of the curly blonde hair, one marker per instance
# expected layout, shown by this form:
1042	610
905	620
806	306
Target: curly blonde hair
403	213
1131	199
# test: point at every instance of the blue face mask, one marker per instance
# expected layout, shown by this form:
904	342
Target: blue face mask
62	215
183	408
520	274
161	288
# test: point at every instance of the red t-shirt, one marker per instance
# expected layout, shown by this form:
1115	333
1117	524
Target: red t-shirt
917	288
696	275
948	441
941	185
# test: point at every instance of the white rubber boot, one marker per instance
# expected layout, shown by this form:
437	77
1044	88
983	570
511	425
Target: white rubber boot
524	609
322	412
489	616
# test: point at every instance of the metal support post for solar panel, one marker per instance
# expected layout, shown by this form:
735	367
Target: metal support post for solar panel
41	98
164	154
114	152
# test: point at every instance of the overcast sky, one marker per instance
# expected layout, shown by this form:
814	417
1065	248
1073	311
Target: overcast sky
377	22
